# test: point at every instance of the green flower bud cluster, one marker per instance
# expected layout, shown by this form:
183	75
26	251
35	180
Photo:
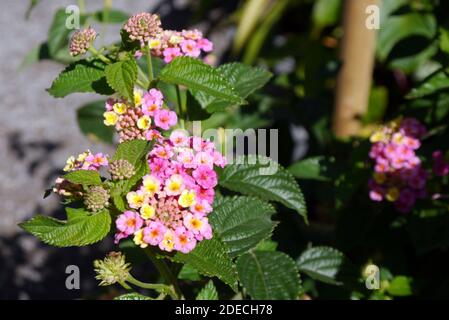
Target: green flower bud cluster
121	169
96	199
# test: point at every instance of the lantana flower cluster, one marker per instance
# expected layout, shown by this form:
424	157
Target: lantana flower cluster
398	173
165	44
142	119
81	41
84	161
170	208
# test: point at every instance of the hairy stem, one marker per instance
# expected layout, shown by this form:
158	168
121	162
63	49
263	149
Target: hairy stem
99	55
163	289
150	64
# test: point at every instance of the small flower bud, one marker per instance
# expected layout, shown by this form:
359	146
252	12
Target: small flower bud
81	41
143	26
96	198
121	169
112	269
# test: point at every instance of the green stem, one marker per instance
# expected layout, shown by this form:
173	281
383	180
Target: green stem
150	64
99	55
161	288
107	5
141	84
179	107
82	6
161	296
124	285
165	272
106	9
145	83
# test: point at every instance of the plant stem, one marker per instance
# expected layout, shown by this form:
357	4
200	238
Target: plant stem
99	55
145	83
150	65
107	5
106	9
124	285
180	108
140	83
165	272
82	6
161	288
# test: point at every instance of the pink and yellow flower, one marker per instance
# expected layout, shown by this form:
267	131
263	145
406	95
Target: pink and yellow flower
129	222
174	185
175	199
165	119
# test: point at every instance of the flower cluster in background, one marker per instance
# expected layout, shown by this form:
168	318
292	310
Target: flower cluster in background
81	41
440	163
84	161
398	173
165	44
141	120
170	208
171	44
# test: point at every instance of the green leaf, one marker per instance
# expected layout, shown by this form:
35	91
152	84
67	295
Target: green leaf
132	296
209	292
117	192
269	275
245	79
189	273
377	105
325	12
436	82
85	177
265	178
242	222
321	263
399	27
58	33
267	245
198	76
81	228
211	258
81	76
400	286
444	40
121	76
312	168
90	120
407	40
142	169
113	16
119	202
415	60
133	151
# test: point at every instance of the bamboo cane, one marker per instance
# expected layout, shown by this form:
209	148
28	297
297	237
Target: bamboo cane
354	78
